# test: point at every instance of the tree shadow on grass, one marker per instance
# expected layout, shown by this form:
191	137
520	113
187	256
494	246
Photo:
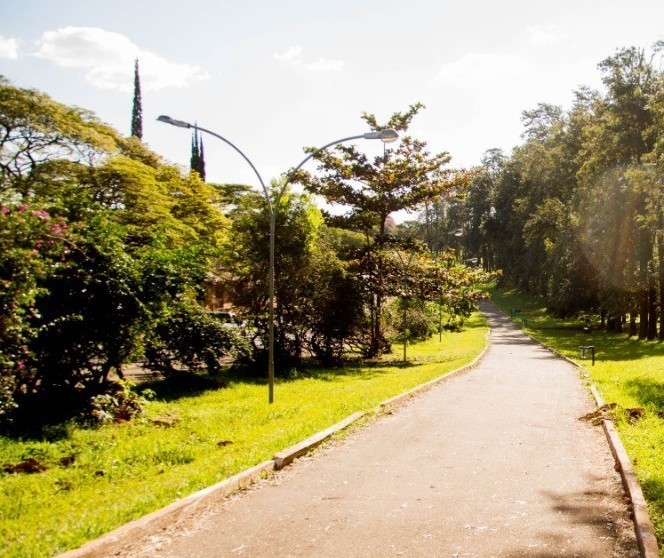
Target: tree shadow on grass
647	390
182	384
365	371
188	384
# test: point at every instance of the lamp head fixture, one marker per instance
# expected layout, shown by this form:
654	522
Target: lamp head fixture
386	136
174	122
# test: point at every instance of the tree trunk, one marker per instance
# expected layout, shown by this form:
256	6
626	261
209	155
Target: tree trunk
660	253
645	252
643	314
652	310
618	325
632	323
614	324
377	341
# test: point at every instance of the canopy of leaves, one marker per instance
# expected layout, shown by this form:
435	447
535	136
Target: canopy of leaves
404	177
99	237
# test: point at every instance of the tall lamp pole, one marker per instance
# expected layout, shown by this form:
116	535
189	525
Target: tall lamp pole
386	136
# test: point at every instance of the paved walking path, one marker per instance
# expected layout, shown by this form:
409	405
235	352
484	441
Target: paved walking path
492	463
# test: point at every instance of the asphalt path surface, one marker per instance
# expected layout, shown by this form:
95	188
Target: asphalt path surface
494	462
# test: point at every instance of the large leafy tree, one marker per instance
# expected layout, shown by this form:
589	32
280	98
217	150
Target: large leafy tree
35	129
403	177
371	190
311	277
100	241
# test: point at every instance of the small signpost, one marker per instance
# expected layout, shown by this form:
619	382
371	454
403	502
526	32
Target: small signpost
583	350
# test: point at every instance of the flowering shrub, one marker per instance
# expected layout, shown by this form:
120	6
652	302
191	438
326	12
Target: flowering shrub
32	247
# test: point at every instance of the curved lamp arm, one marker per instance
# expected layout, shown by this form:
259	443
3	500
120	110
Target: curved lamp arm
183	124
386	136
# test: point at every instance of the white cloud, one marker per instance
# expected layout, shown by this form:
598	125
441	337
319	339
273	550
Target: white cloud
8	48
474	69
294	56
109	59
542	35
324	65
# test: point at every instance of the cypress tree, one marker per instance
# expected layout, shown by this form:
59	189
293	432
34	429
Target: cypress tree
193	164
197	161
201	158
137	110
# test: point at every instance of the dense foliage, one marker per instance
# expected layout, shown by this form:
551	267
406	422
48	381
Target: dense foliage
404	177
575	214
108	255
99	241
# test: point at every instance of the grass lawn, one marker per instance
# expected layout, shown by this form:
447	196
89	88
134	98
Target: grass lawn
121	472
627	371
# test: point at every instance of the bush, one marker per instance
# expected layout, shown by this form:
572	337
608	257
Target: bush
191	338
336	315
74	306
118	403
31	249
413	318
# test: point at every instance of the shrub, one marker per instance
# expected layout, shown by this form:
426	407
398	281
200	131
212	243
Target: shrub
336	314
191	338
413	318
118	403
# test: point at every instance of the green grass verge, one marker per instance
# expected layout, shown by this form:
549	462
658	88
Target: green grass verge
124	471
627	371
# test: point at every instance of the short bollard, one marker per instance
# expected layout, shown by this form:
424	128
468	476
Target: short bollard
583	349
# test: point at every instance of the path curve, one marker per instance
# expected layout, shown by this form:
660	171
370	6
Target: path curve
494	462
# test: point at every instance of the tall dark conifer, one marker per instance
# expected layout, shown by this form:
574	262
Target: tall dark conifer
197	155
137	110
193	161
201	158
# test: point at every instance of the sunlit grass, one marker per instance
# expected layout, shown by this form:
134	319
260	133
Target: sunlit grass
123	471
627	371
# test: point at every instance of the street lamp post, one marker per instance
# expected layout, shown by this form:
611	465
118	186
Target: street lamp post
385	136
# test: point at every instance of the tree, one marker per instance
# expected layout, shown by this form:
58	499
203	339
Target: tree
620	135
402	178
35	130
137	107
578	206
246	257
102	248
197	154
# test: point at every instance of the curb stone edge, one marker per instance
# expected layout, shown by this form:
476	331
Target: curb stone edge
115	540
643	527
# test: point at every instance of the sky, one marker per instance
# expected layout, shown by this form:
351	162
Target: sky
275	76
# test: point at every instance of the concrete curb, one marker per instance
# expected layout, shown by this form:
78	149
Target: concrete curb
286	456
645	531
399	399
115	540
643	527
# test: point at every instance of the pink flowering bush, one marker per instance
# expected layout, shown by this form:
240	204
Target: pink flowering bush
32	246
